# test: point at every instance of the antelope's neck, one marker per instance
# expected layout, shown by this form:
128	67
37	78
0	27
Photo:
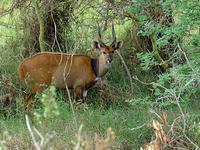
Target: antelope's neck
99	66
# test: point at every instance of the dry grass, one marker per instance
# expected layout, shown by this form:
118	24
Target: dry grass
173	137
40	142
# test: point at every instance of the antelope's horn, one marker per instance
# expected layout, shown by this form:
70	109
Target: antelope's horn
113	35
100	37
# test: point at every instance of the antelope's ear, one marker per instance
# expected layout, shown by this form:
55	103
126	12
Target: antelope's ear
95	45
118	45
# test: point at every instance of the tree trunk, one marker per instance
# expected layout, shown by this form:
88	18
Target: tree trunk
42	26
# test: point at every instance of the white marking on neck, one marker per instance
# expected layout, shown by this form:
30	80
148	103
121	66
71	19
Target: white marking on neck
85	93
97	78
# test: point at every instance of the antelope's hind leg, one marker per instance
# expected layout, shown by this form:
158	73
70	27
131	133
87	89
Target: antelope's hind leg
79	94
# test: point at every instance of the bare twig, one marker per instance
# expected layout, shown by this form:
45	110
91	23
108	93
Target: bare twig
65	68
68	92
139	127
79	138
55	34
185	55
127	70
181	110
145	83
37	146
43	143
40	135
55	37
172	125
152	111
196	146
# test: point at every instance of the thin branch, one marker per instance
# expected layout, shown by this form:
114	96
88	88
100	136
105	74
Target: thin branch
139	127
65	68
152	111
181	110
40	135
65	75
185	55
79	138
145	83
173	124
55	37
31	133
196	146
127	70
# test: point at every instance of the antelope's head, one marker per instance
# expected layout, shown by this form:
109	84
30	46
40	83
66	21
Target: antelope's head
107	50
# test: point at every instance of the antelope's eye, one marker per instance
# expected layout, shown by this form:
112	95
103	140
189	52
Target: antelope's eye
112	51
104	52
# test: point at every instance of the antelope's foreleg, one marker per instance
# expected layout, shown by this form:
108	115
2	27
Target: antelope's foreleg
29	99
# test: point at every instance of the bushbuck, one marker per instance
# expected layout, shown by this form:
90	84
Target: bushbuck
77	72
